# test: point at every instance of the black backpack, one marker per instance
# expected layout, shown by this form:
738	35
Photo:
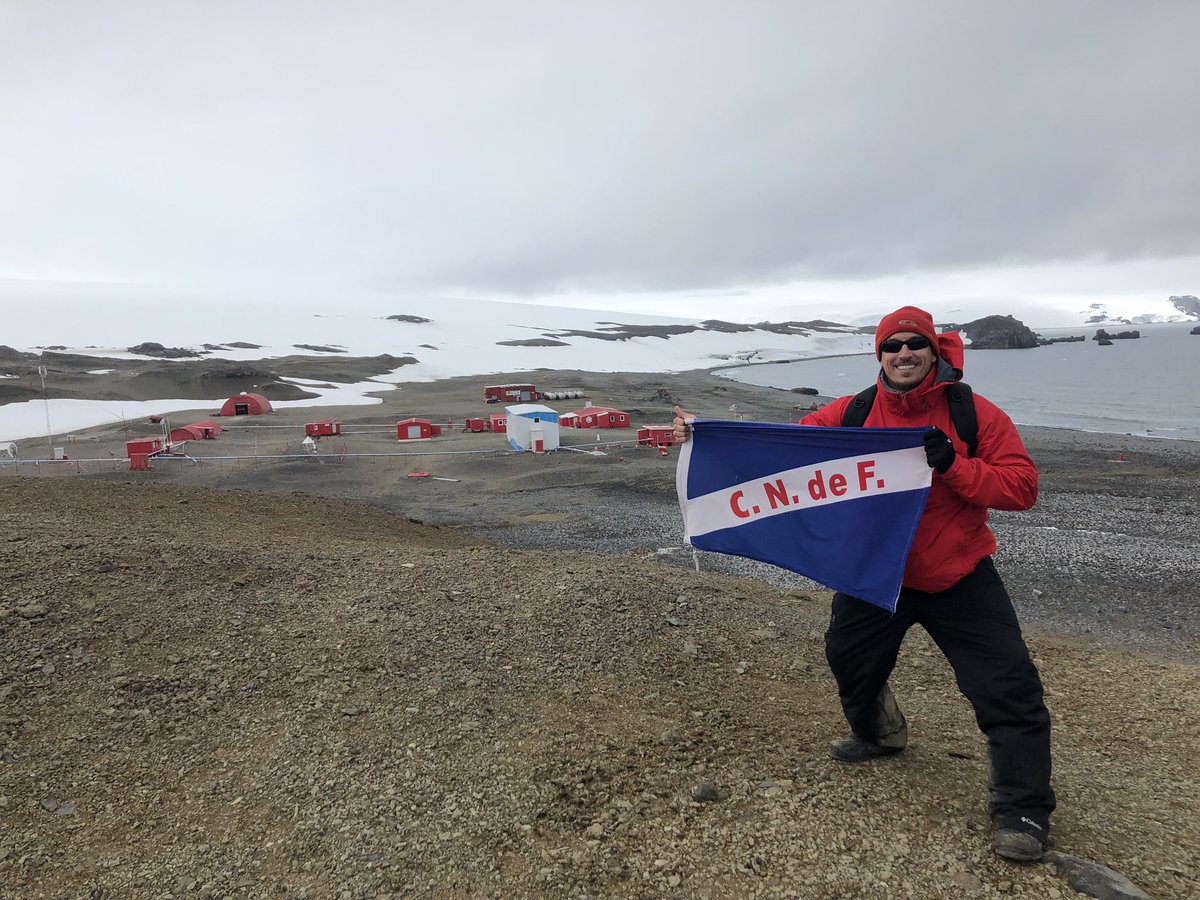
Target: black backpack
962	412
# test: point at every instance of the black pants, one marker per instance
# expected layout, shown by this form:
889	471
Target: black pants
974	625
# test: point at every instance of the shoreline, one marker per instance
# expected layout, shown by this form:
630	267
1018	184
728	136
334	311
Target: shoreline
1058	404
181	373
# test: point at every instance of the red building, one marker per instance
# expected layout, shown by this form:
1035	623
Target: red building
656	435
140	451
511	393
208	429
245	404
415	429
475	425
185	433
497	423
597	417
323	428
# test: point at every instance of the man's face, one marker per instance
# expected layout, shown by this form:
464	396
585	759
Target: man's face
905	369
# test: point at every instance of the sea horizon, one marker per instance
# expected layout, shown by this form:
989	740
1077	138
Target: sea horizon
1134	387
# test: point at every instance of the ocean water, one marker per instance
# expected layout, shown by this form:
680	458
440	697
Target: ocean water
1149	386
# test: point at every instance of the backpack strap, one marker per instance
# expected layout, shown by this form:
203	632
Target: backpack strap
960	398
859	408
962	414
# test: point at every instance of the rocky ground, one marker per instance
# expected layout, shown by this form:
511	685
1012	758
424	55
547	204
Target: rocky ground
231	679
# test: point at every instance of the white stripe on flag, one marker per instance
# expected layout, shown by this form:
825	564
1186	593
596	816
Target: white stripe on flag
832	481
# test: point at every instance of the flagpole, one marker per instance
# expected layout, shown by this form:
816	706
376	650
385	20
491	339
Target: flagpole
46	402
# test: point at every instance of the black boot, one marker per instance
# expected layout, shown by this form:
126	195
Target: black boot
889	731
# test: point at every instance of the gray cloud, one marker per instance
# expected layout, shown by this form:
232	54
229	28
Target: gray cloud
536	146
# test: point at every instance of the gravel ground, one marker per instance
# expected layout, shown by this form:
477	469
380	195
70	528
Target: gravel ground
236	694
1110	553
212	691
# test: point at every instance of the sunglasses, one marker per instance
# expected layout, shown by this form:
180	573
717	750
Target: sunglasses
913	343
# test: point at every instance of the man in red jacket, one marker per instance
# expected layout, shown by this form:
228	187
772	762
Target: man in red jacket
951	587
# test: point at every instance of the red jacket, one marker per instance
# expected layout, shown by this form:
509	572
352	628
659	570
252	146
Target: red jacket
953	535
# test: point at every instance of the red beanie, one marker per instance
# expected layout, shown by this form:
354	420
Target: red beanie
906	318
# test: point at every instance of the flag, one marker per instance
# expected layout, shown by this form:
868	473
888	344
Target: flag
837	505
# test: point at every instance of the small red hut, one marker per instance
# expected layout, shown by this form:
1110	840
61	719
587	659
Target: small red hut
511	393
323	428
475	425
208	429
497	424
598	417
140	451
415	429
245	404
656	435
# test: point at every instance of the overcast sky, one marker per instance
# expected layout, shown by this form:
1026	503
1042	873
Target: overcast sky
676	157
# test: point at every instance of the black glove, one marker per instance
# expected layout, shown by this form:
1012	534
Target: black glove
939	452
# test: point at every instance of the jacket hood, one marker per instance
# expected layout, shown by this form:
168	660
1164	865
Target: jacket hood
950	351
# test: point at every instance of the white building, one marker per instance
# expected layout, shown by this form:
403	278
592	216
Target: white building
532	426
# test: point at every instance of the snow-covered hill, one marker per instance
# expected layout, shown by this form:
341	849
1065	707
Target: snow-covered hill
1179	308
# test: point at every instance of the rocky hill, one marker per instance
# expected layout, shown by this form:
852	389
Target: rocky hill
998	333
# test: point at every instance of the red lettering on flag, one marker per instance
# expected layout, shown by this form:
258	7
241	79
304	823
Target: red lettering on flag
816	486
777	494
735	505
866	469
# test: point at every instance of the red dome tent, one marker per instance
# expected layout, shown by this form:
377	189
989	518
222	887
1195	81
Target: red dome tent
245	404
186	433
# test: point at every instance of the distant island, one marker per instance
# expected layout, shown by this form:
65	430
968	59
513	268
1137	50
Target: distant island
998	333
1105	339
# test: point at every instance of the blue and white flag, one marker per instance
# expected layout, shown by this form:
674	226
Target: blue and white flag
837	505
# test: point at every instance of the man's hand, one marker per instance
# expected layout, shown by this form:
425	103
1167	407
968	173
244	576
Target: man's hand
939	451
683	431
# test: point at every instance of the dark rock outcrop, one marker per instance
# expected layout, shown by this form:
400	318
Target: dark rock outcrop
153	348
1102	336
415	320
1069	339
318	348
533	342
1195	330
998	333
11	354
725	327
